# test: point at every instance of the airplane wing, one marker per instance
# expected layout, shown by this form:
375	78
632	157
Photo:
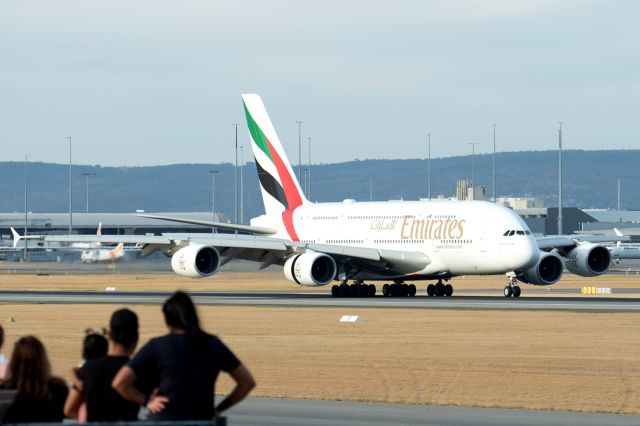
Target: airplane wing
567	241
269	251
265	250
257	230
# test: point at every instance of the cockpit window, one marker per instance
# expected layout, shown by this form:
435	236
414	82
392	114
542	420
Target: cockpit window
506	234
527	232
520	232
511	233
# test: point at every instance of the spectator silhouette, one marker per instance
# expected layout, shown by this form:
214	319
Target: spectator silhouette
185	363
94	346
103	403
39	395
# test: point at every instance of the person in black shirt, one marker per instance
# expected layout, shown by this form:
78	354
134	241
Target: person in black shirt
185	363
39	395
103	403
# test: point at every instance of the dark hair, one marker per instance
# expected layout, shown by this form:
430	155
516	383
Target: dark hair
94	345
1	336
179	311
124	327
30	370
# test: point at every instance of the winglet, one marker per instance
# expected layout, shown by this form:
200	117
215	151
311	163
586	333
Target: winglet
16	237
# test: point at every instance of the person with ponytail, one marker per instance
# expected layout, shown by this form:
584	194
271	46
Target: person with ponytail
184	364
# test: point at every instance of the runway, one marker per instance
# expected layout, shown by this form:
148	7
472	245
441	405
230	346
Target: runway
292	299
268	412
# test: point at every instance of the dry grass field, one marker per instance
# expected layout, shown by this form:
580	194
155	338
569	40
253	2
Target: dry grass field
538	360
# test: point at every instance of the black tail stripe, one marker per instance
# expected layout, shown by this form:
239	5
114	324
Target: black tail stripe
271	185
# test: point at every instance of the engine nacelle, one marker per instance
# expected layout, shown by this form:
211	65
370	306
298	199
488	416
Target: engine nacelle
196	261
310	268
547	271
588	260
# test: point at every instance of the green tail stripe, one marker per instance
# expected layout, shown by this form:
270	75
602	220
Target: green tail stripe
256	133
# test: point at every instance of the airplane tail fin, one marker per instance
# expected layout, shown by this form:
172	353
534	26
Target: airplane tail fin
619	234
16	237
117	252
281	191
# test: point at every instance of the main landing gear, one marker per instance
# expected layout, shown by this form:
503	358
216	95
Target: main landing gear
512	289
357	289
439	289
399	289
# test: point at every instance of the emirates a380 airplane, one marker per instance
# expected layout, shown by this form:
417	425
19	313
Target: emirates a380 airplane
395	242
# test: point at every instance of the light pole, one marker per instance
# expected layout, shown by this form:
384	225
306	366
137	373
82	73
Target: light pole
300	149
86	175
26	162
213	198
309	171
241	184
70	191
473	156
429	165
494	163
619	181
560	177
235	174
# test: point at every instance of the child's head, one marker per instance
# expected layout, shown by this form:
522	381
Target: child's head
94	345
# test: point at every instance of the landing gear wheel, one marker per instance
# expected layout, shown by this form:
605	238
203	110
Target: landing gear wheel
386	290
507	291
516	291
439	289
448	290
343	291
335	291
394	290
412	290
404	290
372	290
431	290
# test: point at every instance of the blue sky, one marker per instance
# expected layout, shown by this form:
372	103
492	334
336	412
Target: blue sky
158	82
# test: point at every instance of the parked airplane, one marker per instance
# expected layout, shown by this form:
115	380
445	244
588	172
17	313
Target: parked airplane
103	254
624	251
398	242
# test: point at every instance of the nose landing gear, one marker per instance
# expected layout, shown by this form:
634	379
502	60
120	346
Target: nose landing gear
512	289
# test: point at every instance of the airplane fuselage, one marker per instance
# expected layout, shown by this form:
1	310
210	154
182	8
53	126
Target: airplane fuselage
459	237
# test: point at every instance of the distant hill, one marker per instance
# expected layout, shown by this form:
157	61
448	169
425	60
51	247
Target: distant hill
590	181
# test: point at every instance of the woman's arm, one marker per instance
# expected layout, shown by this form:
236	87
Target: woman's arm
123	384
72	404
244	384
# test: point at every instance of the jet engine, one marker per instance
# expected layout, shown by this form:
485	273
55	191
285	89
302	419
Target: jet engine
310	268
547	271
196	261
588	260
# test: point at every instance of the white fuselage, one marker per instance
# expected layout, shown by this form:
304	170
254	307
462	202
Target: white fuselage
459	237
102	255
625	252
